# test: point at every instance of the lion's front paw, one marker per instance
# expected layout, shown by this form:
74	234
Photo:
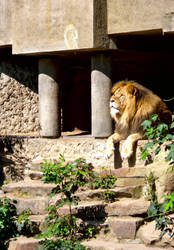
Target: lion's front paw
126	151
109	148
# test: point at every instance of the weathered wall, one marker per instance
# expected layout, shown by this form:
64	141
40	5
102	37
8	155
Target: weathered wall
5	22
38	26
137	15
52	25
18	97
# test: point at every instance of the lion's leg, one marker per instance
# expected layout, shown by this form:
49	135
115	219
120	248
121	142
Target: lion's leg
128	145
110	143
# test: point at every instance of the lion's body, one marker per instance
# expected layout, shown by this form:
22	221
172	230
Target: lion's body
130	105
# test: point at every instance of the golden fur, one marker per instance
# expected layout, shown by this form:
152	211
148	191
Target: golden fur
130	105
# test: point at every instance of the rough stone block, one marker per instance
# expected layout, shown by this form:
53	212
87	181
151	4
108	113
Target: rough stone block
23	243
126	227
127	207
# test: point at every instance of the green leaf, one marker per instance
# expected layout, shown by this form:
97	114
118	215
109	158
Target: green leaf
146	124
157	150
153	117
170	156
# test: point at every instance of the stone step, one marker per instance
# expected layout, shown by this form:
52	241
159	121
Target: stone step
36	205
99	244
118	227
28	188
121	228
36	188
125	176
24	243
98	210
86	209
35	165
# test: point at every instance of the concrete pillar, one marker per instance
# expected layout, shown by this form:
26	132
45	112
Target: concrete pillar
49	113
100	95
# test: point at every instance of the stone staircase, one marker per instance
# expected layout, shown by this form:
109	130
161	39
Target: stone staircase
118	222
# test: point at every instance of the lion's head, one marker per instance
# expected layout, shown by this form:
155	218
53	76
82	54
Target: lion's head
125	95
131	103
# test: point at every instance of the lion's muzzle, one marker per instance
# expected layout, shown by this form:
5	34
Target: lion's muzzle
113	109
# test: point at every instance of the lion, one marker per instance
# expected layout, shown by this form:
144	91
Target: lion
131	104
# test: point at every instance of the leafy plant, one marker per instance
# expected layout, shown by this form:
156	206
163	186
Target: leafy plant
60	244
104	182
8	227
157	133
69	177
108	196
23	223
160	212
12	224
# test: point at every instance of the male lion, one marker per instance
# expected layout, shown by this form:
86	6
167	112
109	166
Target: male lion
130	105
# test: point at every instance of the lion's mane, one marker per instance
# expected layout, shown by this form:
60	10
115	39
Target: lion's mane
139	104
131	104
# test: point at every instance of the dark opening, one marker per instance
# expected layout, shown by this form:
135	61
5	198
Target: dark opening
76	100
148	59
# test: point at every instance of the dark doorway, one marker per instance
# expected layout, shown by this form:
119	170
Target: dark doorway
76	100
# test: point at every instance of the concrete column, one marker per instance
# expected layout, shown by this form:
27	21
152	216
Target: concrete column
100	95
49	113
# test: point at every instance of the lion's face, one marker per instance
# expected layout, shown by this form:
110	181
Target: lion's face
118	102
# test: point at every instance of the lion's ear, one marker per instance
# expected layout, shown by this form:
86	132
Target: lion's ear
133	90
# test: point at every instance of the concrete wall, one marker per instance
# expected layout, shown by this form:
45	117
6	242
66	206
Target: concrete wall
5	22
18	97
137	15
38	26
52	25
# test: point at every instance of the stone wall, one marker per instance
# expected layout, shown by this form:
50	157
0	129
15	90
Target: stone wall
18	96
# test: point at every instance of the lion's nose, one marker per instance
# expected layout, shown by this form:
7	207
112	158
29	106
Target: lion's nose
111	103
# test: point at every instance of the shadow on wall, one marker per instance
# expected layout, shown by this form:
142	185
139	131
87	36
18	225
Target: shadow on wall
23	69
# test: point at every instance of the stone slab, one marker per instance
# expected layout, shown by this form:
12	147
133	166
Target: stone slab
96	244
28	188
125	227
23	243
36	205
127	207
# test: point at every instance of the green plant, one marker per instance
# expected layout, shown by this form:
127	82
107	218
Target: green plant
12	224
69	177
108	196
60	244
161	213
104	182
23	223
8	227
157	133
